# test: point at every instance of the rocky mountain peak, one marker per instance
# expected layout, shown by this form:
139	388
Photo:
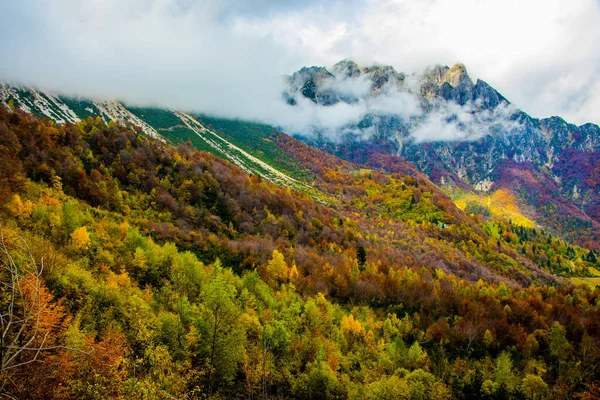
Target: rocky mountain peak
346	69
307	81
487	95
457	75
382	74
436	74
316	74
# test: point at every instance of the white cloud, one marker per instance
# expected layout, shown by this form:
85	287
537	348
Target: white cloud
451	122
542	55
225	57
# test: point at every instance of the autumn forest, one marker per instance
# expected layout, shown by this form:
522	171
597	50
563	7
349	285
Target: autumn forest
136	268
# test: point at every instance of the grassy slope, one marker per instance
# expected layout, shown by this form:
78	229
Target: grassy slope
253	138
257	140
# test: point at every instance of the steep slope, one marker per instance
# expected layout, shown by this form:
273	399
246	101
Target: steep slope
548	167
401	199
171	125
396	217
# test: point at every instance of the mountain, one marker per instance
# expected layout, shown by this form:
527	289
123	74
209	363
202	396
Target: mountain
502	174
466	137
346	188
163	124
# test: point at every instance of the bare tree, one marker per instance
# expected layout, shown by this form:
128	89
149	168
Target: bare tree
21	308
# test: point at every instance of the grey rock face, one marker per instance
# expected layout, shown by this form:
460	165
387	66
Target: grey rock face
346	69
496	132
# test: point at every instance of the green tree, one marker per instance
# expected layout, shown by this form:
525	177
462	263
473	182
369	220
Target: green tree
416	356
560	348
70	219
319	382
361	257
388	388
534	387
503	374
221	340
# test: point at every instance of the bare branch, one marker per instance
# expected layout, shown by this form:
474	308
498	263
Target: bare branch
20	321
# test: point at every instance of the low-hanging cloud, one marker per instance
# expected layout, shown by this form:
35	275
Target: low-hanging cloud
334	121
450	122
397	106
226	58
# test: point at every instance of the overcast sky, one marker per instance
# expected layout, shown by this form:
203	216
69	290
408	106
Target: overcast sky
225	56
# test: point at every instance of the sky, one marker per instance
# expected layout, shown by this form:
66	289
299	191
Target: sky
226	57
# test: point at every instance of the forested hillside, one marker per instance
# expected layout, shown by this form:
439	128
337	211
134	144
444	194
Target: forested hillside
136	269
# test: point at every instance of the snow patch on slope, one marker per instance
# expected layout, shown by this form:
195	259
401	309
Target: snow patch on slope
115	111
29	99
34	101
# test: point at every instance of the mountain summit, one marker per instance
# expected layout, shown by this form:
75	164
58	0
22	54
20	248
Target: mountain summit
465	135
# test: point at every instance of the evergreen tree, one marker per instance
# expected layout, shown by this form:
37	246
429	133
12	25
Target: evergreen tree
361	257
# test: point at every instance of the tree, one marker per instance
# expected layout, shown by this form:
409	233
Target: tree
592	392
503	374
11	168
21	209
416	356
361	257
560	347
80	238
319	382
488	338
388	388
21	311
221	338
534	387
30	323
277	269
99	371
531	346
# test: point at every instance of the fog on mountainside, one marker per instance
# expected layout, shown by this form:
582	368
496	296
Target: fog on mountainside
439	104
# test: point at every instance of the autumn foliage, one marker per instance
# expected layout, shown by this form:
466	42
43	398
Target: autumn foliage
170	273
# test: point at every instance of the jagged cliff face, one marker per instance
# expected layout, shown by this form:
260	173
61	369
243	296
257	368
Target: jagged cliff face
493	143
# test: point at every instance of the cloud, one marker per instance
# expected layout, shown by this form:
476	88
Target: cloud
226	57
160	52
394	107
542	55
451	122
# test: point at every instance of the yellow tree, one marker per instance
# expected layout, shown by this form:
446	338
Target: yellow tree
80	238
277	269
